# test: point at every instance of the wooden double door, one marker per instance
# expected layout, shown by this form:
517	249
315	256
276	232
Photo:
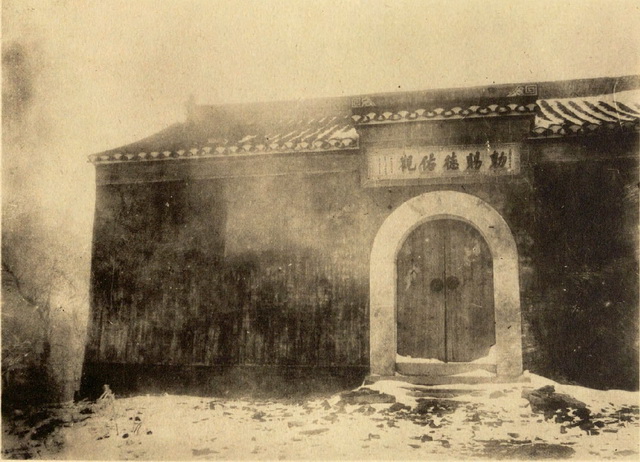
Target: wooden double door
445	293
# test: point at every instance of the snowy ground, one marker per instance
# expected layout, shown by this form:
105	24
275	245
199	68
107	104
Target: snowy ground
441	422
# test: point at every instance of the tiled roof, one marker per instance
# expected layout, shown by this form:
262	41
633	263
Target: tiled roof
334	131
577	116
324	133
444	113
331	124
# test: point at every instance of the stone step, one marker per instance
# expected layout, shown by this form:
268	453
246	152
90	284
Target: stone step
443	379
436	369
429	380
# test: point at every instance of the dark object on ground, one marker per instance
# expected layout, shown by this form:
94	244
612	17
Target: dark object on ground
398	407
317	431
497	449
46	429
36	416
545	400
564	409
436	406
259	415
366	396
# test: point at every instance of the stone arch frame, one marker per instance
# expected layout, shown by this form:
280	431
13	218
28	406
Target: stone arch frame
383	279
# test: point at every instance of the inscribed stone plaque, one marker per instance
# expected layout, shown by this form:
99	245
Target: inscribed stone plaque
431	164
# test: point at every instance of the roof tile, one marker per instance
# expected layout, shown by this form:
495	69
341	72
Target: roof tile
587	115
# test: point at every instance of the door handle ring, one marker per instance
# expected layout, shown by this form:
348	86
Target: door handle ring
436	285
452	282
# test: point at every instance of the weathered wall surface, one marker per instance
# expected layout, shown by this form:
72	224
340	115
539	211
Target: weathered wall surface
273	270
583	307
247	271
270	270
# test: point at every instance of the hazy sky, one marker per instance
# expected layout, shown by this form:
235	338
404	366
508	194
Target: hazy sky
119	70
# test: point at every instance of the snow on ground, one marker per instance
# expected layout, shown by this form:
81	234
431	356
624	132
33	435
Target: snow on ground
437	422
503	413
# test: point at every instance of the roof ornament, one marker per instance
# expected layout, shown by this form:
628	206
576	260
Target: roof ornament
524	90
362	101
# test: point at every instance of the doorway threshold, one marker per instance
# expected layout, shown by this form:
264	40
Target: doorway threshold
445	379
441	368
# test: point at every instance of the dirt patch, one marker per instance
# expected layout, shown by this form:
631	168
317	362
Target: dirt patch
46	428
570	412
316	431
396	407
366	396
504	449
27	431
438	407
202	452
545	400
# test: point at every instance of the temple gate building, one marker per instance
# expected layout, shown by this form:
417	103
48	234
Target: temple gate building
440	236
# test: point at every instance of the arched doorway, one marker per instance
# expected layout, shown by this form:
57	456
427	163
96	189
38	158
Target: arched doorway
445	293
471	222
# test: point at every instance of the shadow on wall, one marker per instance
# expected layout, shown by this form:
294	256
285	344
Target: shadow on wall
273	382
586	315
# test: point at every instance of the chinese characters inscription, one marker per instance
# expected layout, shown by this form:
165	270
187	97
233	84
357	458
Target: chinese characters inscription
433	162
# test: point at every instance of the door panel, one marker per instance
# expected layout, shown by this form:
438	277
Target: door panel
445	293
420	267
469	299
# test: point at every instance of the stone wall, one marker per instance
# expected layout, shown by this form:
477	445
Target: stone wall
273	269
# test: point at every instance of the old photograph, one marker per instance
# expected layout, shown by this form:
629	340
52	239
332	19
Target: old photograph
330	230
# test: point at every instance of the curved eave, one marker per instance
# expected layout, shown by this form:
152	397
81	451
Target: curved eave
220	153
